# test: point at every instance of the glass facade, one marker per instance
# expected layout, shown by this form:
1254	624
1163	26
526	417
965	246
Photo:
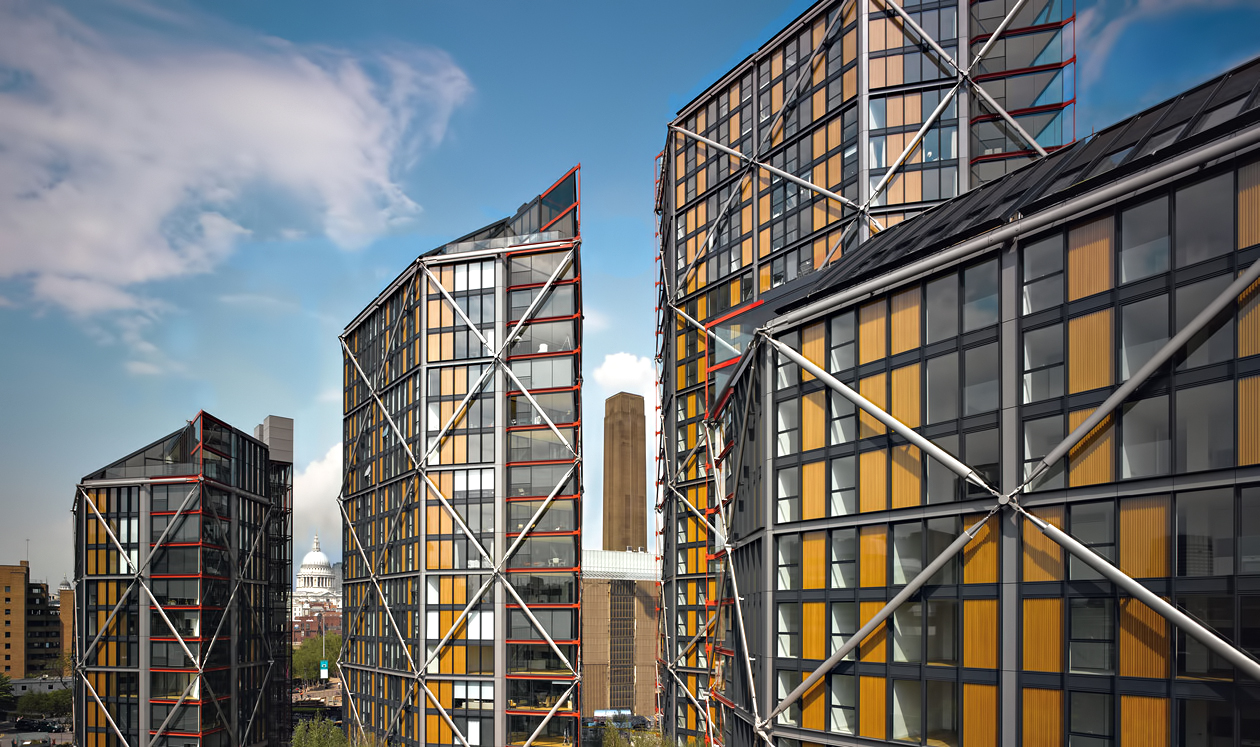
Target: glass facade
804	516
183	557
462	502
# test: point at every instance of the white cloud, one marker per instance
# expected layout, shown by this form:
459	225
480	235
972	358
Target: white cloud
315	492
1100	26
134	150
627	372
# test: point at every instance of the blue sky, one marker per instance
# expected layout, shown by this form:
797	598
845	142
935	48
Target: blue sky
195	198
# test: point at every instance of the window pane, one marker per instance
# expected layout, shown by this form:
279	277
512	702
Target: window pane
942	388
980	382
1144	240
1201	442
939	534
942	632
907	551
1249	533
1093	524
1193	658
907	710
1091	648
908	632
982	454
1146	446
942	713
1043	274
942	309
1205	722
1091	714
1040	436
1205	533
1043	359
1143	330
980	296
843	487
790	630
1215	342
942	482
1205	219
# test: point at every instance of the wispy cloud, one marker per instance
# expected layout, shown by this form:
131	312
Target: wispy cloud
1101	25
315	491
137	143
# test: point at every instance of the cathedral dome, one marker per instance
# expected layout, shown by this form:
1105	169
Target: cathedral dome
316	571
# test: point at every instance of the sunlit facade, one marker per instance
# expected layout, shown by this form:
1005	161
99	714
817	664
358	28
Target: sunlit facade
462	506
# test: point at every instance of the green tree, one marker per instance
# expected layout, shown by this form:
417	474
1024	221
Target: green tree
7	701
307	656
319	732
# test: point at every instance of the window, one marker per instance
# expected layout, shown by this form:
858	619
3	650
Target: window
1205	722
843	486
982	452
942	388
843	559
907	551
841	354
841	418
907	625
942	482
787	683
1144	240
789	428
789	630
843	702
1205	219
1201	441
789	494
789	562
907	707
1205	533
1043	363
843	626
786	372
938	534
1092	643
981	371
1145	445
1090	720
980	296
1043	274
942	309
1193	658
1249	534
941	633
1093	525
1040	436
1215	342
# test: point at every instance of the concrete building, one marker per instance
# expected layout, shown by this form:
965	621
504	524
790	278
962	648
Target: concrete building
32	630
462	620
65	615
316	584
625	473
619	631
992	477
183	558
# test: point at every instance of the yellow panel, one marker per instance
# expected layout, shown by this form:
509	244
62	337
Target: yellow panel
1143	720
980	710
875	389
871	702
1144	644
873	550
1089	258
873	480
1043	718
980	633
814	560
980	555
1043	558
814	701
813	490
1249	205
1144	536
906	400
1089	352
907	469
1090	461
1249	421
814	630
814	347
814	420
872	331
1043	635
873	646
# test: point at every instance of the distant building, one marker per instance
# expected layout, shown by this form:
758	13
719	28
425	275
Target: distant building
316	584
625	473
32	632
183	557
65	613
619	631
